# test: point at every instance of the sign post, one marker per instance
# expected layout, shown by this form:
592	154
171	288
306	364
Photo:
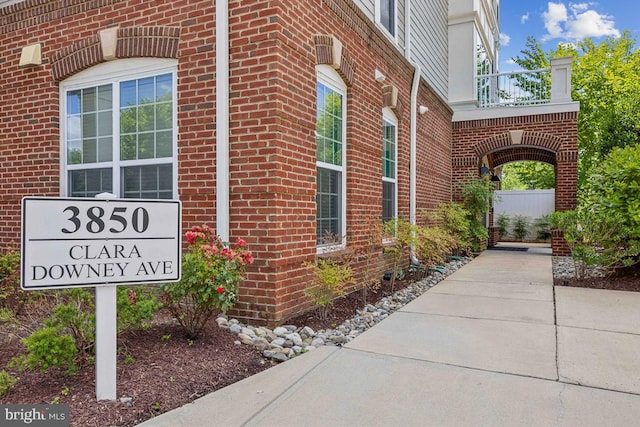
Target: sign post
102	242
106	342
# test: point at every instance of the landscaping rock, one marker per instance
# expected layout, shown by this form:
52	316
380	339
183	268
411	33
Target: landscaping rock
281	331
287	341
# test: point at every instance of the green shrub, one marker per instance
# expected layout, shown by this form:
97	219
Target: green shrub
73	318
596	239
503	226
520	227
399	237
48	347
370	248
453	218
543	227
605	229
332	277
6	383
433	245
11	296
614	189
135	307
477	194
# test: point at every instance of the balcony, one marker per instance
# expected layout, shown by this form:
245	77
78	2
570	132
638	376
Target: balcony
526	88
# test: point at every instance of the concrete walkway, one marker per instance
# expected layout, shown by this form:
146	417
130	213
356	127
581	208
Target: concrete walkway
494	344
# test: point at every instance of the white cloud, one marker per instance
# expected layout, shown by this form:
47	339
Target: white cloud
511	61
555	15
576	22
504	39
524	18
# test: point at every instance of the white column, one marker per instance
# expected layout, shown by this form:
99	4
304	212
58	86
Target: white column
561	79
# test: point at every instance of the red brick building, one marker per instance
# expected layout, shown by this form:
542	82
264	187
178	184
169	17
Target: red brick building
307	116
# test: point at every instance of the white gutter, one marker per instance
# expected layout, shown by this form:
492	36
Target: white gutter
222	119
413	151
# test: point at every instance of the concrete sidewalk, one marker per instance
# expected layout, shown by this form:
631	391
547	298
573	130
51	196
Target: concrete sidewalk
493	344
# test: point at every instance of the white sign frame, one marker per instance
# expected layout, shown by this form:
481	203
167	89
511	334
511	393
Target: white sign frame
89	242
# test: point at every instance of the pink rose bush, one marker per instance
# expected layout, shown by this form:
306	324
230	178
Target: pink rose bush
211	271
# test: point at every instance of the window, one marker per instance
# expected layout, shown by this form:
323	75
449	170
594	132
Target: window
119	130
386	15
331	156
389	165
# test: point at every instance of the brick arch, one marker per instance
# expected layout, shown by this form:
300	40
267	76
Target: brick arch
516	154
115	43
504	140
330	51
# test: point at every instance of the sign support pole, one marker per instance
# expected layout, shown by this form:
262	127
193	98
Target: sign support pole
106	342
106	336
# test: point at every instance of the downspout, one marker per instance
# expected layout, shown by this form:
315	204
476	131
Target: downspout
222	119
413	153
413	132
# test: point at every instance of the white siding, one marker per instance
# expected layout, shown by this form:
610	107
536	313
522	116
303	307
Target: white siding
429	45
369	9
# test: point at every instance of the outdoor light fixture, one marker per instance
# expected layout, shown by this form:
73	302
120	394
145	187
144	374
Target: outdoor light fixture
379	76
423	109
495	178
484	170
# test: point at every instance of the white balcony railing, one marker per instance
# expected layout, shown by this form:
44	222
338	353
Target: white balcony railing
543	86
515	88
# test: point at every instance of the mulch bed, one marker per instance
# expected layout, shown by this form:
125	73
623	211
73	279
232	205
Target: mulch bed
158	369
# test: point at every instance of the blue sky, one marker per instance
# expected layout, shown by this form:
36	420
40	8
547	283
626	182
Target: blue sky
552	22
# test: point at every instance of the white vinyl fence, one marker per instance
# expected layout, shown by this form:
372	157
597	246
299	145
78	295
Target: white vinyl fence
531	204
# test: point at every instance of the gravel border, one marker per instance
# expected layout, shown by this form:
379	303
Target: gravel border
564	268
287	341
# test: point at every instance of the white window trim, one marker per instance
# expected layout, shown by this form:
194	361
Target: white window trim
113	72
330	78
378	11
389	117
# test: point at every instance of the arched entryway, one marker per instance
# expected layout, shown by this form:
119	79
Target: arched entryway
549	138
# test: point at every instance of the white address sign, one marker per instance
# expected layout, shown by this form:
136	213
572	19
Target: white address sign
75	242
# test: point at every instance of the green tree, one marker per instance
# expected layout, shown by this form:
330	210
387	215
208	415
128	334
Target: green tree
528	176
534	58
615	189
606	82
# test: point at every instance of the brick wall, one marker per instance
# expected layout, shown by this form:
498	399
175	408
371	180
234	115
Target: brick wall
273	54
29	117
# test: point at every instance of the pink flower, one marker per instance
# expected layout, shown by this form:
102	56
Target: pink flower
220	289
248	258
133	298
240	243
191	237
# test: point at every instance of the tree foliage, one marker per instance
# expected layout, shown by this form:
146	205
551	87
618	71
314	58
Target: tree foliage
528	176
605	80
